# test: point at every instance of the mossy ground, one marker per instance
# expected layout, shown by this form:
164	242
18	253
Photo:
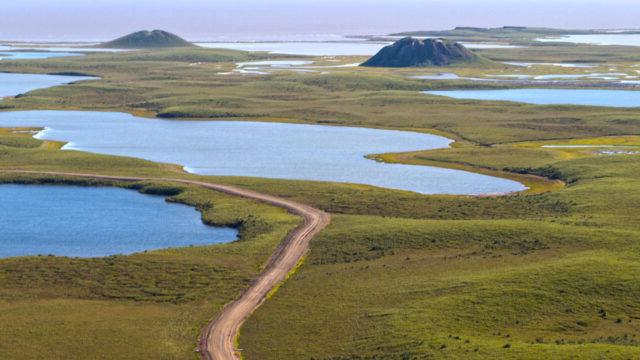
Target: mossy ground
557	286
149	305
397	274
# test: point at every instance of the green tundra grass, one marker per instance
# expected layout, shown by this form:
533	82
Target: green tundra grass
561	286
551	273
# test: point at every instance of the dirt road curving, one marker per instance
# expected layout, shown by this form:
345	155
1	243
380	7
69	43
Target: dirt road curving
217	341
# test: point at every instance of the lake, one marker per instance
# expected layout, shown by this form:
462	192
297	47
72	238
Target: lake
592	76
267	66
327	48
261	149
33	55
12	84
608	98
601	39
56	48
564	65
271	66
309	48
438	76
96	221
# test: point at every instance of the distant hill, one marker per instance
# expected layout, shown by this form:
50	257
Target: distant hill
519	35
410	52
147	40
504	31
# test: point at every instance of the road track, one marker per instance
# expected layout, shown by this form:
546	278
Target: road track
217	340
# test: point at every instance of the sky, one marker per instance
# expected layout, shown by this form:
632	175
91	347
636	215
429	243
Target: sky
198	20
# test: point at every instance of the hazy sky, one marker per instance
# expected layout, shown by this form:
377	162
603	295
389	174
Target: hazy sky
252	19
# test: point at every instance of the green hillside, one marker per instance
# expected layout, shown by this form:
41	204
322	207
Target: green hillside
145	39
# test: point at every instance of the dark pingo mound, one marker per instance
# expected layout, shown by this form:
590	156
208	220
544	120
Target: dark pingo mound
410	52
147	40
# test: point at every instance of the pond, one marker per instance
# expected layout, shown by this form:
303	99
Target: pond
12	84
608	98
261	149
309	48
562	65
96	221
271	66
598	39
33	55
592	76
324	48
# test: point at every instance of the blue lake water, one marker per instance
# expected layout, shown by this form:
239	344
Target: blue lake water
258	149
13	84
609	98
93	222
32	55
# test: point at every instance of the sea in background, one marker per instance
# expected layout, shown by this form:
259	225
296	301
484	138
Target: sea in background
294	20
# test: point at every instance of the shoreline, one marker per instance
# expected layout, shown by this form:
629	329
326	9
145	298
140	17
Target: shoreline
218	338
68	145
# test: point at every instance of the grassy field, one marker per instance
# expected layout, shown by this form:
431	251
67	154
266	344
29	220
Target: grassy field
397	275
559	286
